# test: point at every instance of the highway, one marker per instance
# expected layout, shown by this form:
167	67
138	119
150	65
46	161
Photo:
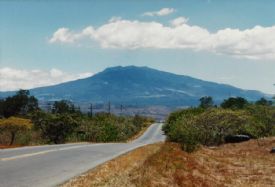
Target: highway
51	165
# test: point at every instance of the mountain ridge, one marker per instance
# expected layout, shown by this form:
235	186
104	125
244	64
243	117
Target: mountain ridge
140	85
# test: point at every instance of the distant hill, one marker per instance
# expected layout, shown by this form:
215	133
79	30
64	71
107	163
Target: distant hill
140	86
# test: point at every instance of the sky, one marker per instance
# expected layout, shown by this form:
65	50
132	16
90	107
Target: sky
46	42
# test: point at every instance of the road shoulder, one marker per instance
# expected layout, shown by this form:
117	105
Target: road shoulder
116	172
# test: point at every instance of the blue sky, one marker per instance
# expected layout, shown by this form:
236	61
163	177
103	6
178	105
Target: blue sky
215	40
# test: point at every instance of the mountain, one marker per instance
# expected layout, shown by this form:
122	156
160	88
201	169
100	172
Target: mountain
140	86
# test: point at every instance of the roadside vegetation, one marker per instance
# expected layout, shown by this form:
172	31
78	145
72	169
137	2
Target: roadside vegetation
166	165
22	122
212	125
219	162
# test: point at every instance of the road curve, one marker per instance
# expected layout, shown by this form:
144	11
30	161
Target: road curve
51	165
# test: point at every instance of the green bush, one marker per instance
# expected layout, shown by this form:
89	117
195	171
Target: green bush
179	128
180	116
54	128
215	124
234	103
194	126
263	120
105	127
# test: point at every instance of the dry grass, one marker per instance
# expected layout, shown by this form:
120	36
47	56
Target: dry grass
117	172
244	164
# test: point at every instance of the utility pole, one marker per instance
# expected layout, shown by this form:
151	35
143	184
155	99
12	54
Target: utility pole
121	107
91	110
49	107
109	107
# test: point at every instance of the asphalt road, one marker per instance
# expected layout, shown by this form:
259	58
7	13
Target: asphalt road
51	165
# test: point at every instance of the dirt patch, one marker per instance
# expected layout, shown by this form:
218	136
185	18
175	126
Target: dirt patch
9	146
244	164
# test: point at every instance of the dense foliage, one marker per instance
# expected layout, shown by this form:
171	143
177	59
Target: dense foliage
210	126
54	128
64	123
234	103
19	104
105	127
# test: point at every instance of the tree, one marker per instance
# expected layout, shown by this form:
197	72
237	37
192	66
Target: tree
19	104
13	125
63	107
234	103
264	118
55	127
264	102
206	102
179	127
2	108
216	124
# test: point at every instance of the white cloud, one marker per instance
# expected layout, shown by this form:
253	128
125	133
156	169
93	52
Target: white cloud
63	35
14	79
161	12
179	21
255	43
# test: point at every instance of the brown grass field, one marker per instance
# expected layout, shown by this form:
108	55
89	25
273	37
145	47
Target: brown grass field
165	164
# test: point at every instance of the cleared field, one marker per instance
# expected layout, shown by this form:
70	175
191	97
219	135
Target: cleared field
165	164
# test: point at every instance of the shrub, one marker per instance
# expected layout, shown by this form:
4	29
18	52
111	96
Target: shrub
179	128
13	126
216	124
104	127
180	116
264	102
234	103
263	120
54	127
194	126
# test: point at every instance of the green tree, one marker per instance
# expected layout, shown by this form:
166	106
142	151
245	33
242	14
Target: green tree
19	104
63	107
55	127
216	124
234	103
264	120
206	102
179	127
264	102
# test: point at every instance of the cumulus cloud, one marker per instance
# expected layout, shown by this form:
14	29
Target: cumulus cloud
254	43
14	79
179	21
63	35
161	12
